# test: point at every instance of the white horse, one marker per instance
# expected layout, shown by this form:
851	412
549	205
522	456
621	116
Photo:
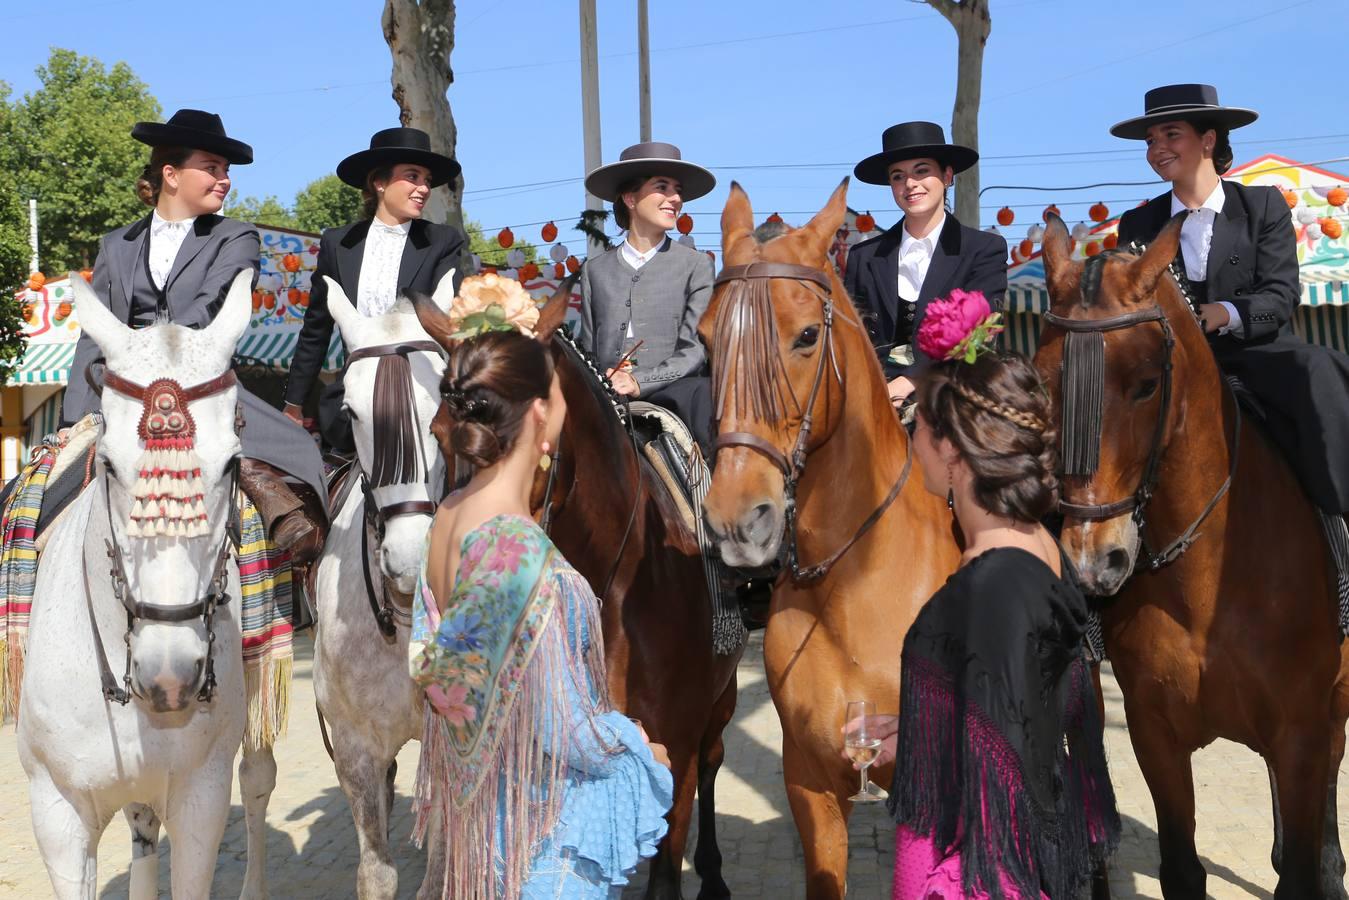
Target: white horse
133	691
370	565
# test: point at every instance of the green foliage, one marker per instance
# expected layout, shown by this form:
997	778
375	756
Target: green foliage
268	211
69	144
327	203
491	252
14	255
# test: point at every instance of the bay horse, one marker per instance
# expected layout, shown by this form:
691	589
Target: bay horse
1223	621
608	515
369	568
811	456
158	741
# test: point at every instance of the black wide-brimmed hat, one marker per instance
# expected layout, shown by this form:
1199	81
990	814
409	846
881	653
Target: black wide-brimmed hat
196	130
913	140
392	146
647	161
1182	101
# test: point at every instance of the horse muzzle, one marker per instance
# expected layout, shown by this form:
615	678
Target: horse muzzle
752	540
168	674
1103	553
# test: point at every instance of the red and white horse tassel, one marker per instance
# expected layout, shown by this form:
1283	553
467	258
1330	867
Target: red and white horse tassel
168	495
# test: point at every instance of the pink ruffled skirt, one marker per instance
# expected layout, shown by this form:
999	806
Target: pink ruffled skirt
924	872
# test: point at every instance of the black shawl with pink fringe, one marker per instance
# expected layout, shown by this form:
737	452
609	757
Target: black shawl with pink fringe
1001	751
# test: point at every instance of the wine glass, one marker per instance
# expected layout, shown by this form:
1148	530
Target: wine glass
862	745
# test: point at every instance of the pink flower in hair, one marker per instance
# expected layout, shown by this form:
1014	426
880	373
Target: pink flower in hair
960	326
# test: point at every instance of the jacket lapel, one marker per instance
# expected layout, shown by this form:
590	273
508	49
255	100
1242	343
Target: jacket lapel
884	267
350	252
133	246
414	255
199	237
945	259
1226	226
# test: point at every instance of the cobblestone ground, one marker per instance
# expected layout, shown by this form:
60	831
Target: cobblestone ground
311	842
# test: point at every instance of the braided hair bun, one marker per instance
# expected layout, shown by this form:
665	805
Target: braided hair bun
996	413
490	382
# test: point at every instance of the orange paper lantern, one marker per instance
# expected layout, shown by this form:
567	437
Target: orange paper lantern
1006	216
87	275
1093	248
63	312
36	281
866	222
293	295
573	264
1099	212
303	302
684	223
269	300
1027	247
1332	228
29	312
506	238
1111	241
774	218
529	271
549	233
257	300
1051	209
1337	196
1289	197
559	271
290	262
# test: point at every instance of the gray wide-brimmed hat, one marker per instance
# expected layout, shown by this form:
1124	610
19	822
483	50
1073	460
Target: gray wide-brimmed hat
1171	102
410	146
913	140
196	130
647	161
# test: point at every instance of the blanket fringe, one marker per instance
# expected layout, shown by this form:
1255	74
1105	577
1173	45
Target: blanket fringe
267	687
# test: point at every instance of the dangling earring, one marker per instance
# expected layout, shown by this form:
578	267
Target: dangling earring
546	460
950	490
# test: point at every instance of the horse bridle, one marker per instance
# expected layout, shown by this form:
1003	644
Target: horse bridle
1137	502
204	607
388	615
794	466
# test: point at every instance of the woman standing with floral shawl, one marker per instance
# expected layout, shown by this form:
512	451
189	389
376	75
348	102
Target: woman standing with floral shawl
1000	786
542	790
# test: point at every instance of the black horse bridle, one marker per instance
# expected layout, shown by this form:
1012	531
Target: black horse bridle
792	468
387	614
1136	502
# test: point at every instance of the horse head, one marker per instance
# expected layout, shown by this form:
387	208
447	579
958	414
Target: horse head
1119	345
166	462
779	329
392	385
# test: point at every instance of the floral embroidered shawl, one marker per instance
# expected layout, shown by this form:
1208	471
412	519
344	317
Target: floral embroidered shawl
492	670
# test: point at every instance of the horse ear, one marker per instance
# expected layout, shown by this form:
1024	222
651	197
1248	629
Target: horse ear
1061	272
95	319
444	292
344	314
435	320
737	218
554	312
230	323
827	221
1159	255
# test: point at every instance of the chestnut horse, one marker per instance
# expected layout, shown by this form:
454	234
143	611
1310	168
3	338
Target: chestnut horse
1228	626
812	456
605	509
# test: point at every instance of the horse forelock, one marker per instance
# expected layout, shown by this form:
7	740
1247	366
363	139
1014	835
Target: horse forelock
399	453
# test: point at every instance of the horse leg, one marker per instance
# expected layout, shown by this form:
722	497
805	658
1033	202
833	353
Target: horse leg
257	779
1276	852
364	780
1300	761
821	818
144	825
1166	768
195	822
67	840
707	855
1332	855
667	868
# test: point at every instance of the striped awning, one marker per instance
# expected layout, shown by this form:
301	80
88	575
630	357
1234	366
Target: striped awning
1032	297
276	350
44	364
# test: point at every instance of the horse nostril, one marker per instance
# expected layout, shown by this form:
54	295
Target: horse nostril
759	524
1117	560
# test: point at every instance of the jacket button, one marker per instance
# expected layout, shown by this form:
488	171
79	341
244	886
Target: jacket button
1234	259
636	277
1240	291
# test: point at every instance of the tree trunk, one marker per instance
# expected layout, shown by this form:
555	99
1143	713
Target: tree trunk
420	35
972	23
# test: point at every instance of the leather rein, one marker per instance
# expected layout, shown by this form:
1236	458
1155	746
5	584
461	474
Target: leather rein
1138	501
388	615
204	607
793	466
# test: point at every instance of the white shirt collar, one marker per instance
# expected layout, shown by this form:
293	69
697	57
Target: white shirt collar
1213	202
160	225
635	258
928	243
399	230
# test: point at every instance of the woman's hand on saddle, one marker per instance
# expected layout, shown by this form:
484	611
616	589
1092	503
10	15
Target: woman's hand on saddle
1213	316
900	390
624	383
884	727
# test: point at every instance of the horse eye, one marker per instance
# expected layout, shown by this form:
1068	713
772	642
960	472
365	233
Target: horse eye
807	338
1145	389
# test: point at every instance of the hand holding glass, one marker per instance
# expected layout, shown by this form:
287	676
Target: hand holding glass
862	744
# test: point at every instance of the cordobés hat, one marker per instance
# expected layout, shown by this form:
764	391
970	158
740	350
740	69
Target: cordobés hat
913	140
649	160
392	146
196	130
1182	101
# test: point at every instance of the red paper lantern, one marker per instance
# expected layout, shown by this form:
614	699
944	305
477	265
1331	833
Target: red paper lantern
269	300
1093	248
1099	212
774	218
559	271
63	312
1332	228
684	223
506	238
1337	196
549	233
573	264
1027	247
293	295
866	222
87	275
1006	216
290	262
1111	241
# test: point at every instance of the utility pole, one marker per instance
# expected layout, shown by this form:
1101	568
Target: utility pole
32	234
590	104
644	71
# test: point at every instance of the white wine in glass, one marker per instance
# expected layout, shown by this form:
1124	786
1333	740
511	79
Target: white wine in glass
863	745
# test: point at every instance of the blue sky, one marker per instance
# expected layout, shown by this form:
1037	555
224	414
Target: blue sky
807	86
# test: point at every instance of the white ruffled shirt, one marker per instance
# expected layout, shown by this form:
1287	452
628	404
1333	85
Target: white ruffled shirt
378	286
1196	239
915	256
166	239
